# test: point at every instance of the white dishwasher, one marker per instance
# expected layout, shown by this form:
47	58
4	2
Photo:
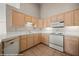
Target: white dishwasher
11	47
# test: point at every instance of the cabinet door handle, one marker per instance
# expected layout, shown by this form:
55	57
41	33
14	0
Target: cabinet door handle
11	42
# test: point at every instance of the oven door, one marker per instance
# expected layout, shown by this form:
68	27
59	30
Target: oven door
56	40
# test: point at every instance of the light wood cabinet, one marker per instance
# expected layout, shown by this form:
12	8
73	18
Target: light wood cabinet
36	39
40	24
17	19
40	37
44	39
44	23
60	17
53	18
71	45
23	43
28	18
35	22
27	41
30	40
76	17
48	22
69	18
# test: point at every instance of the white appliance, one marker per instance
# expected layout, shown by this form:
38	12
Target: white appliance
56	38
11	47
56	41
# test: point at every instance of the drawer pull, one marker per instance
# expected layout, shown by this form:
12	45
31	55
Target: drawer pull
11	42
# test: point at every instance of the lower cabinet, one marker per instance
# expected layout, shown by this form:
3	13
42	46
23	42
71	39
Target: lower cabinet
36	39
71	45
27	41
23	43
30	41
44	39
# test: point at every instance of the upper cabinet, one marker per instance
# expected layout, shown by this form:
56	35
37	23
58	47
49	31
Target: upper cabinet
48	22
28	18
53	18
17	19
60	17
35	21
76	17
72	18
69	18
40	24
44	23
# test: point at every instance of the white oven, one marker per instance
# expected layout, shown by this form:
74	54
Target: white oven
56	38
56	41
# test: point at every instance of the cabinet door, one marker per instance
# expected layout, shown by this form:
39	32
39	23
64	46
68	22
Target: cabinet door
35	22
40	37
76	17
71	45
30	41
69	18
45	39
23	43
40	24
17	19
36	40
44	23
28	18
53	18
49	21
60	17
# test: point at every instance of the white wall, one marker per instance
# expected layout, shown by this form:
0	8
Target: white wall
49	9
16	5
32	9
2	18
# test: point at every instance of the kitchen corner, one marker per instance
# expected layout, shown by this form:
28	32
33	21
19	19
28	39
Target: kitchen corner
28	28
